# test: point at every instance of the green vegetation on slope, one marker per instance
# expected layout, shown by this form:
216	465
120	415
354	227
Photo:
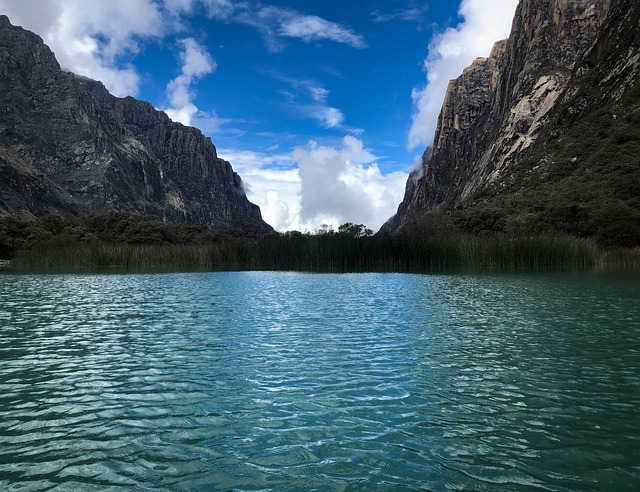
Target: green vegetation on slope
583	180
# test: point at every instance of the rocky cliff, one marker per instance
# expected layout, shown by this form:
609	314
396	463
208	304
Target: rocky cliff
528	138
67	146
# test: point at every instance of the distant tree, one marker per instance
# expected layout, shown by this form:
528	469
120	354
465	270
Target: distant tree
324	230
295	235
354	230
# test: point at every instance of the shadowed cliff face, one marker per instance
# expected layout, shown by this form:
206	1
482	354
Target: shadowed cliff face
68	146
563	59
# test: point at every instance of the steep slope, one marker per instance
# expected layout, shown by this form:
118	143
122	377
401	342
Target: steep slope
68	146
541	136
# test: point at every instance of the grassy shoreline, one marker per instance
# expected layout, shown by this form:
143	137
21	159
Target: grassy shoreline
132	242
334	253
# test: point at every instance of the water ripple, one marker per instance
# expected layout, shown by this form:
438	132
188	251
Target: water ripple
287	381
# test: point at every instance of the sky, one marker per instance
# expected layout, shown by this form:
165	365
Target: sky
322	107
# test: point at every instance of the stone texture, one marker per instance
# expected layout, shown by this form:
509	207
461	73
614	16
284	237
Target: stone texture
68	146
558	52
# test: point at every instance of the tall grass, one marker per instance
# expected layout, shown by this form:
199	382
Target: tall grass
118	255
325	252
620	259
412	252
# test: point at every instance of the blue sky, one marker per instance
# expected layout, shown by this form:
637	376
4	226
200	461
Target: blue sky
322	107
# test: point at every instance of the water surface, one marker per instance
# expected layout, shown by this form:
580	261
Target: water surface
291	381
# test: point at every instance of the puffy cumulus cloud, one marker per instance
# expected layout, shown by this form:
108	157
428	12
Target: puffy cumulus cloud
90	38
344	184
99	39
34	15
450	52
96	38
276	211
314	185
196	63
84	42
272	182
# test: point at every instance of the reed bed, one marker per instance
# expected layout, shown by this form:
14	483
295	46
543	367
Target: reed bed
621	259
331	252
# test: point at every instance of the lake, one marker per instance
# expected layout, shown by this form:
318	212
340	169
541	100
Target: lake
294	381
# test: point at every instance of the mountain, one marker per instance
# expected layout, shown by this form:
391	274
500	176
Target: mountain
67	146
542	136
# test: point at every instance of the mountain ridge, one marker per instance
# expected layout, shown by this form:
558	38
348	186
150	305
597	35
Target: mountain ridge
508	120
67	146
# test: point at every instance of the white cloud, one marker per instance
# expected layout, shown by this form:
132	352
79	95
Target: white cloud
319	94
450	52
344	184
300	189
91	38
273	183
179	6
99	39
215	9
315	185
218	9
196	63
319	110
410	14
329	117
210	123
277	22
308	99
34	15
312	28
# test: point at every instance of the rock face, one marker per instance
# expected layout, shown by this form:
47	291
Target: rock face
68	146
507	121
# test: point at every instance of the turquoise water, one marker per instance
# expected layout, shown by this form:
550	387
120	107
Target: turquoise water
292	381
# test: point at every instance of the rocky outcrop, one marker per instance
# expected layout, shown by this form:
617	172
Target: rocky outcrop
68	146
563	59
